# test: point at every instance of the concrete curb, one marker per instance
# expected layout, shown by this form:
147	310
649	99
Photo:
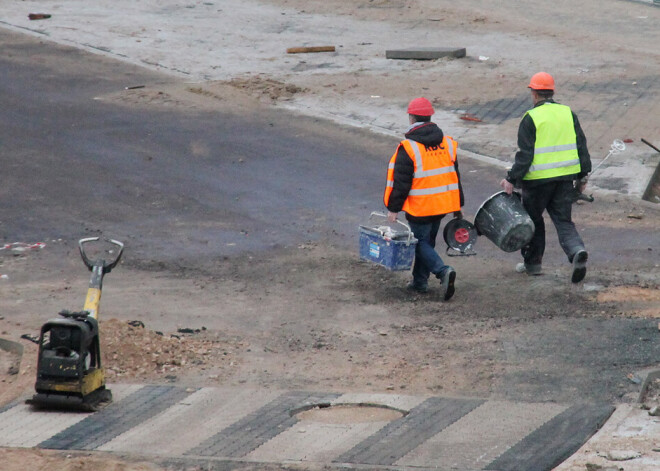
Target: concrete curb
650	377
14	348
347	121
653	3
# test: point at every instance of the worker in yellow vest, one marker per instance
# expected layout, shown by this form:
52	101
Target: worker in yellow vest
551	162
423	181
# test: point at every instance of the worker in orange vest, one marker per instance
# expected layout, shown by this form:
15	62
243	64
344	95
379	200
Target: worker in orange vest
423	181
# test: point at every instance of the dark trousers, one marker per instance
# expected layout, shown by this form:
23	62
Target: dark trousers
556	198
427	260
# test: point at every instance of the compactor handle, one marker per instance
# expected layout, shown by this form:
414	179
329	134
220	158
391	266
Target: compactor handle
107	265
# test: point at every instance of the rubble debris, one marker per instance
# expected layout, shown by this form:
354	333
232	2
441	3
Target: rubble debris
299	50
622	455
470	117
141	353
22	246
187	330
266	88
31	338
597	467
38	16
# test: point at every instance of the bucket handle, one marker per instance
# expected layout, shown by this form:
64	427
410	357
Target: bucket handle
383	215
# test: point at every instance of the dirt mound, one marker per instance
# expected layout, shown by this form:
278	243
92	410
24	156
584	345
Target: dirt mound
132	352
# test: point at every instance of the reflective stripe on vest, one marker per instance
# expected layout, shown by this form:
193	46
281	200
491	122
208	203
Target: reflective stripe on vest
432	191
555	149
435	187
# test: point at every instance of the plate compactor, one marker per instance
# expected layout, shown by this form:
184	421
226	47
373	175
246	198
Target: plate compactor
69	372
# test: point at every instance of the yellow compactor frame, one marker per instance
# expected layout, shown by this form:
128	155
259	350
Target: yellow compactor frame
69	370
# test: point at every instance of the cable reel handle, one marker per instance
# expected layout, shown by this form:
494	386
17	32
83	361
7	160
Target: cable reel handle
617	146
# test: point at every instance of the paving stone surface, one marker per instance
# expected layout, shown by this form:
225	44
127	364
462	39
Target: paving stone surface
221	425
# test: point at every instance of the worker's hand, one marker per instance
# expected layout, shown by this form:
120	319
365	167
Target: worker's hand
458	214
507	185
391	217
581	185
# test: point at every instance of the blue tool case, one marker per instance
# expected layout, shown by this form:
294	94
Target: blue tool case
385	245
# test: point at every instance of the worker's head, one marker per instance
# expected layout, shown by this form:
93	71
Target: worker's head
542	85
420	110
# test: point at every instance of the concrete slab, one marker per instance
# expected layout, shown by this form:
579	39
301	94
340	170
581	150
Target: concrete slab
23	427
494	425
210	409
426	53
314	442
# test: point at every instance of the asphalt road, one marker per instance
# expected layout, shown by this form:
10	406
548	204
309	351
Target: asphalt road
262	180
184	184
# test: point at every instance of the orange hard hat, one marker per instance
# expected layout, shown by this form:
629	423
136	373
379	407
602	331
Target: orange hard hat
420	107
542	81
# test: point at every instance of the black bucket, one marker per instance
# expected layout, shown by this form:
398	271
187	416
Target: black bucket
503	219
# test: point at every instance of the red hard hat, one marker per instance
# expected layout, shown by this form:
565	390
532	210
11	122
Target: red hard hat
420	107
542	81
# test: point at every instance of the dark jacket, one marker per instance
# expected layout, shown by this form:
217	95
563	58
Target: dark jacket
525	154
428	134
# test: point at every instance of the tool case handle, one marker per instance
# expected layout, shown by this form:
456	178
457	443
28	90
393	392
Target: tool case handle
383	215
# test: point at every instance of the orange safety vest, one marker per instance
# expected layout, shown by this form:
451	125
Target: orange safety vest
434	187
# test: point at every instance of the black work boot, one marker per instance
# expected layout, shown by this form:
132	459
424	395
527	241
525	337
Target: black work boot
448	283
417	288
579	266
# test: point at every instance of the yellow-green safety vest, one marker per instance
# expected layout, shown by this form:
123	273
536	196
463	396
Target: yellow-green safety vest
555	149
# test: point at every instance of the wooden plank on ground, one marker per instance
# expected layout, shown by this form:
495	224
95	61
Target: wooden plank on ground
298	50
